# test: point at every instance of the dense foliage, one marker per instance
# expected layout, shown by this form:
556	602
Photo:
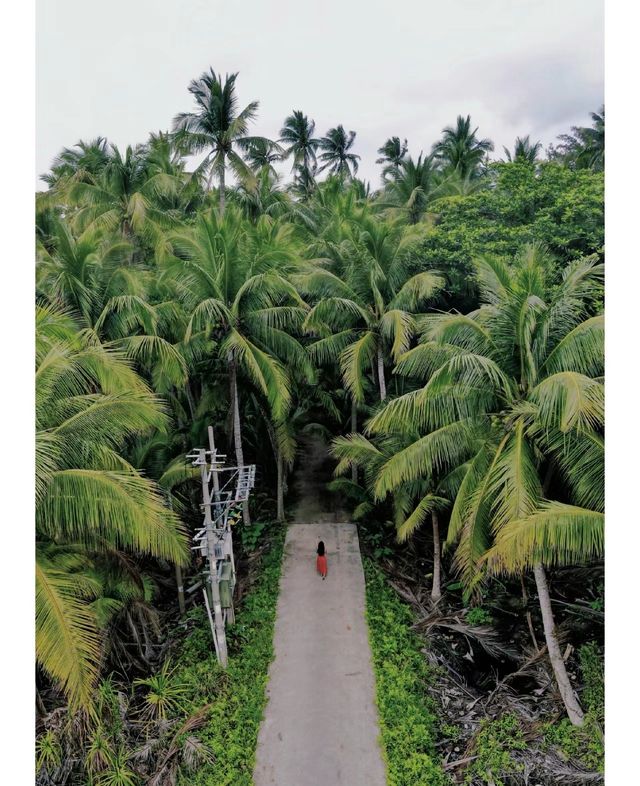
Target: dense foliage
407	716
449	322
190	722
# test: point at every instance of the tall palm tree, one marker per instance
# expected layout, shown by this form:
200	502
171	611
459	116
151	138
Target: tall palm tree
125	196
297	135
409	187
262	197
304	183
232	277
335	146
89	500
524	150
365	309
592	141
412	502
163	156
217	127
460	149
87	157
262	153
514	390
92	277
392	154
583	148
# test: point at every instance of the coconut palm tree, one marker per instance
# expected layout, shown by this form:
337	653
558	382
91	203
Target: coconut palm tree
583	148
365	309
392	154
409	186
592	139
262	153
125	195
90	501
262	197
460	149
524	150
335	146
514	390
217	127
163	156
297	135
232	277
304	183
85	157
91	276
411	503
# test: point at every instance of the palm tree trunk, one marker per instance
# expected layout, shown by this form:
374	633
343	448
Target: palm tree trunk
180	586
42	710
525	602
222	194
436	592
574	711
354	429
381	379
190	401
237	434
280	498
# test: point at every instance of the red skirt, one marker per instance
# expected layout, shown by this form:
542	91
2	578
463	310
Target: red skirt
321	565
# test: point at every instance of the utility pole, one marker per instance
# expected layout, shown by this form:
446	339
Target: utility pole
214	586
219	514
224	491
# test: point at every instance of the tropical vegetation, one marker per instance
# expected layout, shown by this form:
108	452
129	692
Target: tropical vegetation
443	329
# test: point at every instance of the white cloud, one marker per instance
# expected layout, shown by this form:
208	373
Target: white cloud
406	68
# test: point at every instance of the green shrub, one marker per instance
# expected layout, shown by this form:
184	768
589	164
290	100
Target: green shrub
494	745
450	731
478	616
592	668
252	535
584	744
408	719
237	696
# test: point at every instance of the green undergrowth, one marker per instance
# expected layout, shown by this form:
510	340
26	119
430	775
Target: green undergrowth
408	718
494	745
584	744
236	696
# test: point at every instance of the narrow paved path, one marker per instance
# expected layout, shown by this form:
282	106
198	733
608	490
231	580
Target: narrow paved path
320	726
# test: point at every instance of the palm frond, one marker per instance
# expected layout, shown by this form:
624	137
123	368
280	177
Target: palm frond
398	327
67	639
413	522
514	482
427	457
418	289
128	511
568	400
581	350
354	449
355	360
555	534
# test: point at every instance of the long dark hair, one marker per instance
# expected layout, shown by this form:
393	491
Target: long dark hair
320	549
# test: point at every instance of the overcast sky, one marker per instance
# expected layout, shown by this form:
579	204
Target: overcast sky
120	69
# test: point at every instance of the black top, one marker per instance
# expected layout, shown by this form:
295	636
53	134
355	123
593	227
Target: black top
320	549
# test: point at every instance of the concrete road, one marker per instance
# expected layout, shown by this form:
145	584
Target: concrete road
320	726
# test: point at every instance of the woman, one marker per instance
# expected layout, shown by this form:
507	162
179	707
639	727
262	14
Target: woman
321	560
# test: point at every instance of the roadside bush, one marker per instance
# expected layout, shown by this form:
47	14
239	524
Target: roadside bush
408	719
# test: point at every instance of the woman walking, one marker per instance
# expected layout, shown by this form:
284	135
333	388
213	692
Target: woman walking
321	560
